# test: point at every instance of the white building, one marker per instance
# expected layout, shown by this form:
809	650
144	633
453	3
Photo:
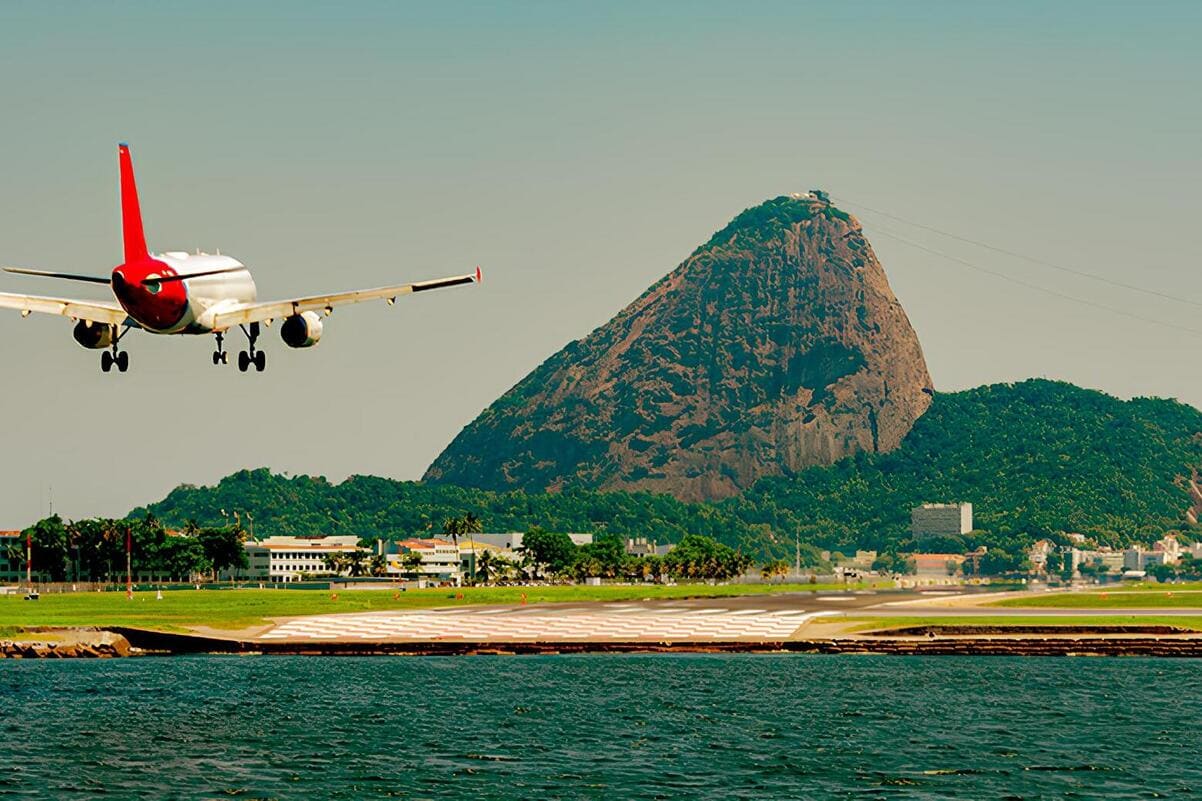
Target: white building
288	559
941	520
513	540
440	560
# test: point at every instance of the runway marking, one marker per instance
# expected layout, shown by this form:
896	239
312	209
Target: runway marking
541	624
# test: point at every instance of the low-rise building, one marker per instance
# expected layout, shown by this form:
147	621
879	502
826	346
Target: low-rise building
512	541
931	565
287	559
1038	554
12	557
440	559
641	546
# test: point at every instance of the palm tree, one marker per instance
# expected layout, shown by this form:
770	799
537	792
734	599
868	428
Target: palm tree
485	568
333	562
411	562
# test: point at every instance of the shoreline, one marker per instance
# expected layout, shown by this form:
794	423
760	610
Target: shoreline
1076	643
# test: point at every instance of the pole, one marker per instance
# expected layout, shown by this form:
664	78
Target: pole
797	553
29	560
129	576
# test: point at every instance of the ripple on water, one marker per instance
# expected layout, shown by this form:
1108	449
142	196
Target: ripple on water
629	727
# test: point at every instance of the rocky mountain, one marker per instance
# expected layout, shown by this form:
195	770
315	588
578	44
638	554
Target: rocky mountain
777	345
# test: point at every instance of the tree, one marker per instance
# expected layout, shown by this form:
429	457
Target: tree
777	568
895	564
604	556
697	556
411	563
546	550
223	547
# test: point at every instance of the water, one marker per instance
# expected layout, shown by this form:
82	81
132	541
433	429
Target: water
613	727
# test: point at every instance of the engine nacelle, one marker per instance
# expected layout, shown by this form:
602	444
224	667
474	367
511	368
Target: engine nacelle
301	330
93	336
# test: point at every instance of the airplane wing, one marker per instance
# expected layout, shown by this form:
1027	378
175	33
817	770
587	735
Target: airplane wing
95	311
259	312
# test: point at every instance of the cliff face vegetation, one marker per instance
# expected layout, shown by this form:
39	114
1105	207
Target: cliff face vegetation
776	346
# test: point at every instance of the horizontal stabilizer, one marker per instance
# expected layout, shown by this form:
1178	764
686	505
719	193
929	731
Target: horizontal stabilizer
90	279
167	279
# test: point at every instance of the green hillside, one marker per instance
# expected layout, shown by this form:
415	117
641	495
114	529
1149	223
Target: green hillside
1034	458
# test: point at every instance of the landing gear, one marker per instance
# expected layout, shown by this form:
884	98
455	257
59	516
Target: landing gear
115	357
251	356
219	355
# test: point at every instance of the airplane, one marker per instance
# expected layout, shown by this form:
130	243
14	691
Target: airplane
190	293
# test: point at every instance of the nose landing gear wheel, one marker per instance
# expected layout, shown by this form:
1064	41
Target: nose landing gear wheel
106	362
219	355
122	361
243	361
260	361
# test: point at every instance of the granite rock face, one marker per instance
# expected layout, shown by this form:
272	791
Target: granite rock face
777	345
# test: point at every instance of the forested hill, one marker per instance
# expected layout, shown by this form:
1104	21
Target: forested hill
379	507
1034	458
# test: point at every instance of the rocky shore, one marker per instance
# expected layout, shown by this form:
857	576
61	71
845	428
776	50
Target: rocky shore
66	644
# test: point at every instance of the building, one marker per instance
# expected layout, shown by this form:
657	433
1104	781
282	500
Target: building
513	540
440	559
12	557
863	560
937	565
1038	554
641	546
941	520
288	559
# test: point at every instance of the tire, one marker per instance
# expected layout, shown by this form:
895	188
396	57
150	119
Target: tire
122	361
225	357
260	361
216	358
243	361
106	362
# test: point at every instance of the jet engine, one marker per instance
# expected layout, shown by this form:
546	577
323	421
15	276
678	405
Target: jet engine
94	336
301	330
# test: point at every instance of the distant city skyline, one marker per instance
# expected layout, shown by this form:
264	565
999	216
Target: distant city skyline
577	153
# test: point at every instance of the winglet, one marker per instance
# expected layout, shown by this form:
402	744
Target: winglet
479	277
131	212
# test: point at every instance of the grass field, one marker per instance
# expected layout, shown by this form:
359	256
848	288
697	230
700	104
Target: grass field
1157	596
235	609
862	624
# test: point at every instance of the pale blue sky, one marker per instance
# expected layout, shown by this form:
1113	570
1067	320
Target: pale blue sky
578	152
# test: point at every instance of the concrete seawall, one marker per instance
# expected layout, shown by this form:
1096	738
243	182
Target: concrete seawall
1076	645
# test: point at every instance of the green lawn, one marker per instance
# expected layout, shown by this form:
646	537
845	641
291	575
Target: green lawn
235	609
862	624
1158	596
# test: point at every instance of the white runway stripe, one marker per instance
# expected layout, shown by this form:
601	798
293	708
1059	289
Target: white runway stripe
540	624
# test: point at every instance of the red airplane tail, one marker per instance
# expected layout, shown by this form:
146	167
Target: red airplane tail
131	212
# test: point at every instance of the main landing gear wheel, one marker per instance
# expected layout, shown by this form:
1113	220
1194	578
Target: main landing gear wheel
115	356
252	356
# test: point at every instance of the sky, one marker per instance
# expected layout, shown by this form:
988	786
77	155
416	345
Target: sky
577	152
